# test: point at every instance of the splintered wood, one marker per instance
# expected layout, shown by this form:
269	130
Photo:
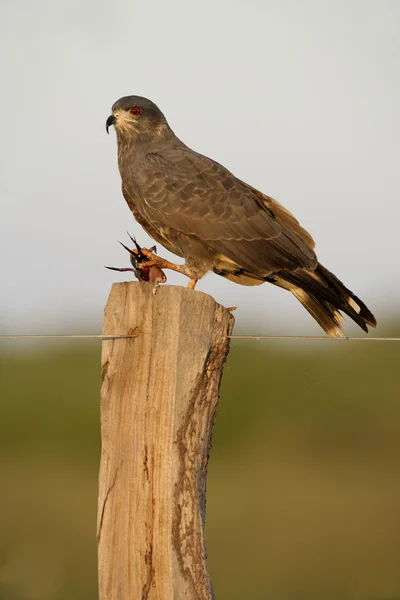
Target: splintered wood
158	402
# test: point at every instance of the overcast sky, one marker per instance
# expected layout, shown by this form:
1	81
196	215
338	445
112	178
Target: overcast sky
298	97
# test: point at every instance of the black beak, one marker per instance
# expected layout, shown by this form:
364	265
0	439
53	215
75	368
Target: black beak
110	121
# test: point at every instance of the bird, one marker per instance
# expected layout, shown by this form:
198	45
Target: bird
198	210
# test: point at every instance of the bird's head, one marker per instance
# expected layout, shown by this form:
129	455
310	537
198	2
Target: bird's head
136	118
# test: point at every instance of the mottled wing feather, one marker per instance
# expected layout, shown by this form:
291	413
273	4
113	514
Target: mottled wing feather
286	218
153	228
192	194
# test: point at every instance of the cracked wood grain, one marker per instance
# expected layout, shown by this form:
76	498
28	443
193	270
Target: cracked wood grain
158	402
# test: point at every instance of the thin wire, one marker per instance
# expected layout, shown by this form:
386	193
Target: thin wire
73	336
315	337
232	337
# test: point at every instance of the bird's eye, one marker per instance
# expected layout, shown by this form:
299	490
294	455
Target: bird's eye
135	110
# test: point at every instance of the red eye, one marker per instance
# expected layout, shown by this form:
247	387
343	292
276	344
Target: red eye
135	110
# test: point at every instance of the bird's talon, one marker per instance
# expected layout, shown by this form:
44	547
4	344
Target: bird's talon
147	266
143	262
122	269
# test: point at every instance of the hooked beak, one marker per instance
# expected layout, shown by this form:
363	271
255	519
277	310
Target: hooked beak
110	121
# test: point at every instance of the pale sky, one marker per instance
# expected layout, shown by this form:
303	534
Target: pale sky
297	97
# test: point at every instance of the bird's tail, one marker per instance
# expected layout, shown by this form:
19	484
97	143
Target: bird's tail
323	295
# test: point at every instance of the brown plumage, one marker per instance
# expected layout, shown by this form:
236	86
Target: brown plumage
198	210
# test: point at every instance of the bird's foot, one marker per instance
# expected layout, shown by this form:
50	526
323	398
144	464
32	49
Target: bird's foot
153	264
144	259
143	268
147	266
156	262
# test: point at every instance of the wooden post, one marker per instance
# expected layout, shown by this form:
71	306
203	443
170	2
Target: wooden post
158	403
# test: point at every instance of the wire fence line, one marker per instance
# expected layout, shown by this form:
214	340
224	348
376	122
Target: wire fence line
232	337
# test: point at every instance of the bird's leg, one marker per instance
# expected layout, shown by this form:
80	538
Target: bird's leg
148	266
156	261
144	258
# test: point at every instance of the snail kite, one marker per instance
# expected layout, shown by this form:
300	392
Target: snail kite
198	210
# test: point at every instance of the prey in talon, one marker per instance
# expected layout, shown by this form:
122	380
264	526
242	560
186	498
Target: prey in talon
143	266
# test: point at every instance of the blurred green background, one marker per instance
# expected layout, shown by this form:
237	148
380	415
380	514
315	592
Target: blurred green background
303	485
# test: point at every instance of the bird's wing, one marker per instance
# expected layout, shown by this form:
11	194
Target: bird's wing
196	196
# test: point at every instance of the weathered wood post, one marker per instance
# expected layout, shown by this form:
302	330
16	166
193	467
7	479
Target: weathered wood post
158	402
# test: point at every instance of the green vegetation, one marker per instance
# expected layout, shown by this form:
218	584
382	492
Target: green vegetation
304	477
